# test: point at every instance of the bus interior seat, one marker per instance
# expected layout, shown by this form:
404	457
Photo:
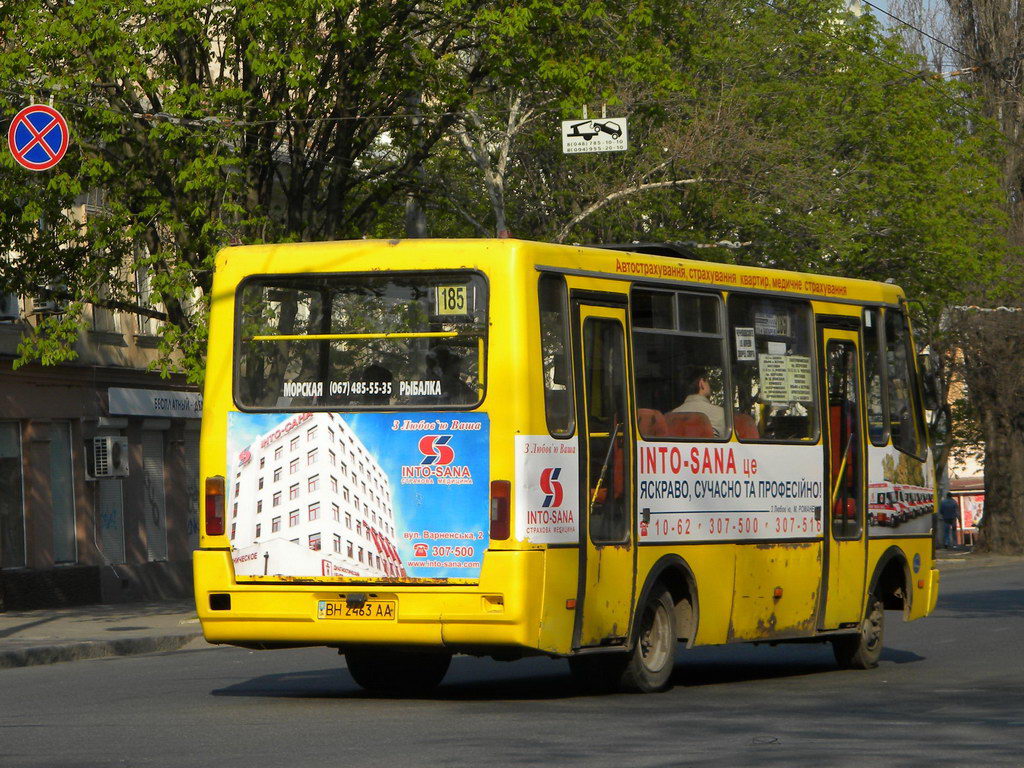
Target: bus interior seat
689	425
651	422
746	427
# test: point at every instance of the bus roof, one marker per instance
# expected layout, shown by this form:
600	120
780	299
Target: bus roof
669	263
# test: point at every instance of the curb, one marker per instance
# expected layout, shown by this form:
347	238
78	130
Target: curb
93	649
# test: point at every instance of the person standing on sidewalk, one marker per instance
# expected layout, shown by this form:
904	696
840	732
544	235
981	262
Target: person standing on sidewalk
949	512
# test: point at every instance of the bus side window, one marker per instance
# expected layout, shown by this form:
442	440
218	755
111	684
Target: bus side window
773	368
679	364
878	421
555	360
903	418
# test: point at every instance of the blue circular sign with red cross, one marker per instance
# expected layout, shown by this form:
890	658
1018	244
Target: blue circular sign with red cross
38	137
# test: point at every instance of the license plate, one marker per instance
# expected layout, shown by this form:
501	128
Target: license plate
375	610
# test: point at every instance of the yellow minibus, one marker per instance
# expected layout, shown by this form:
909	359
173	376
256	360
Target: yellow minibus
416	448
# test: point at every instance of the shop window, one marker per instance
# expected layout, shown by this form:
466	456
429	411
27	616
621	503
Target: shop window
773	380
62	493
314	541
12	513
679	364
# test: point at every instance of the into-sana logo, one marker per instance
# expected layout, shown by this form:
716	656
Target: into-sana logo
436	451
551	487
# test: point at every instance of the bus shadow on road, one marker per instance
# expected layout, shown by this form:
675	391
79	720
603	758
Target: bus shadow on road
748	663
468	680
543	679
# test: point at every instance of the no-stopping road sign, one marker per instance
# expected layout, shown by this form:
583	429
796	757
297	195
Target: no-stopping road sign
38	137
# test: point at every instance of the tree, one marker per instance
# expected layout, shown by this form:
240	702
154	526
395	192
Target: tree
989	35
803	138
256	120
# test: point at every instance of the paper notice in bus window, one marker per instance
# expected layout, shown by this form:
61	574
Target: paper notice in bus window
785	379
774	386
745	349
771	324
798	374
451	300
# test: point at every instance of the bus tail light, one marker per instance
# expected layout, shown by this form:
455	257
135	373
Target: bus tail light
215	506
501	518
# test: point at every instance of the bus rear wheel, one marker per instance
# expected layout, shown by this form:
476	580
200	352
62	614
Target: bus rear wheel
863	650
397	672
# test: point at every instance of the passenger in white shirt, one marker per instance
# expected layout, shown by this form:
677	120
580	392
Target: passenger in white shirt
697	401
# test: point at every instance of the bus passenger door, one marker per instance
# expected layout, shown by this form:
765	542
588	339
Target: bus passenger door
605	590
845	554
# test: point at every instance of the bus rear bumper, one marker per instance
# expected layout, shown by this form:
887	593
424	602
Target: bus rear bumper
450	616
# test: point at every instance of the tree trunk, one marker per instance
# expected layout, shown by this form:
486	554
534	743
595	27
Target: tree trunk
993	349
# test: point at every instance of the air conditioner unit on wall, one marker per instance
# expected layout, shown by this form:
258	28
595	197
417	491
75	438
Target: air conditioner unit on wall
46	302
10	307
107	457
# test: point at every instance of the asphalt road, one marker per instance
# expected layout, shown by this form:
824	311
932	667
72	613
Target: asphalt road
949	691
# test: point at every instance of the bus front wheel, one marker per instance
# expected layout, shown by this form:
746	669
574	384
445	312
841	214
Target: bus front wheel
863	650
654	652
397	672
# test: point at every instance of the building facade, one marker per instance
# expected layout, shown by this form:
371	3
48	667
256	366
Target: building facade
67	534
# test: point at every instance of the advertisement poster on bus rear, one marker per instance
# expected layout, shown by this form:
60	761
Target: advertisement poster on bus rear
400	496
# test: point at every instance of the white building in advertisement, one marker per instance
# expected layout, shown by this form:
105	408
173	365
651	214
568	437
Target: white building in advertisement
307	498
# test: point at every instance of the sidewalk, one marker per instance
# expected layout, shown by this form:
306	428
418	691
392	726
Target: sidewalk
962	556
93	631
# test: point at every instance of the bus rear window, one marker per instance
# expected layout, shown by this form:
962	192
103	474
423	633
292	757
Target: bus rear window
360	341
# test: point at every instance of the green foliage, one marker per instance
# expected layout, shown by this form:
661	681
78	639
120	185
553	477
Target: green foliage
261	120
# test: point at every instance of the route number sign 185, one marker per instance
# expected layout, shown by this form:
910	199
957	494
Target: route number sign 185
451	300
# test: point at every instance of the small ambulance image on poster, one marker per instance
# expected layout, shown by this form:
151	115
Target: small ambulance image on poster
368	495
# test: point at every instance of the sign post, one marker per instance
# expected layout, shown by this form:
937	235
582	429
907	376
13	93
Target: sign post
38	137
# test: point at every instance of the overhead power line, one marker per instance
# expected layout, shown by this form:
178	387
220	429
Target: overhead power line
920	31
969	108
